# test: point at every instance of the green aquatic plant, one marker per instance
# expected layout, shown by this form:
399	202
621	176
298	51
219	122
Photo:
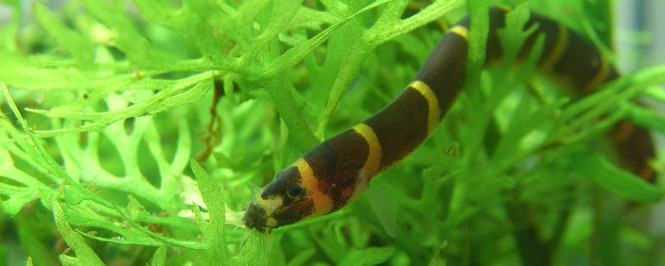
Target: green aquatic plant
103	101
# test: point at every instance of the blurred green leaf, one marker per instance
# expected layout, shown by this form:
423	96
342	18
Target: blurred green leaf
76	45
368	256
302	257
619	182
646	118
159	258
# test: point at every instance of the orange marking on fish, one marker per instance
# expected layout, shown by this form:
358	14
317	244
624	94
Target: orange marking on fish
371	167
433	104
461	31
322	203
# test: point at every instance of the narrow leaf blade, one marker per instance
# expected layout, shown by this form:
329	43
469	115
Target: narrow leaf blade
617	181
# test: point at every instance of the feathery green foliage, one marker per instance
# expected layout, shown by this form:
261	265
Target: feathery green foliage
106	102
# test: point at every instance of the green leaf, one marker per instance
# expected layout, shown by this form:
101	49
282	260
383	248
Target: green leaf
77	46
18	197
383	203
21	71
279	91
159	258
252	251
368	256
646	118
617	181
170	94
513	36
478	32
137	48
213	231
656	92
3	254
296	54
302	257
40	251
84	254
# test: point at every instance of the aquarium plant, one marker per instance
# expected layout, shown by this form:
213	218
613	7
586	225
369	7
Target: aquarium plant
137	132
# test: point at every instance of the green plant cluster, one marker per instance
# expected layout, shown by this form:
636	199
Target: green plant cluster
105	103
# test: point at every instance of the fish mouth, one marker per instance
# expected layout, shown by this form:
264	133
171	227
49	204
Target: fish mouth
255	217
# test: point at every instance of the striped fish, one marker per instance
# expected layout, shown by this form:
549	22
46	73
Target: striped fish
337	171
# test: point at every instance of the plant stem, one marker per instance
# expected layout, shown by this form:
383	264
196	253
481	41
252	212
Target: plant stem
279	89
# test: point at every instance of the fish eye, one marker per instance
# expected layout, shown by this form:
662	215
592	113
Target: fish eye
295	191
